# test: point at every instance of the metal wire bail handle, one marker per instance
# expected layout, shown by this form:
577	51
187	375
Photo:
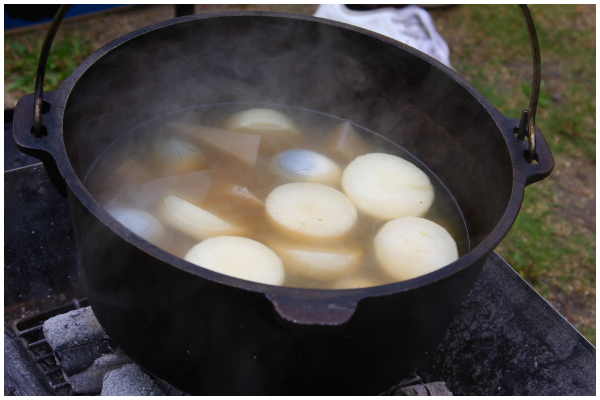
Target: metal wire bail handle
527	124
38	100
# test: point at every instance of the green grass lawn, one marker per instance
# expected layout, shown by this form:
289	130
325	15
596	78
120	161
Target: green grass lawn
21	58
553	241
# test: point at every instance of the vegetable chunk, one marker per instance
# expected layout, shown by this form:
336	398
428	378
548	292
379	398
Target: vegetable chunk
239	257
310	211
241	146
325	262
193	220
141	223
410	247
277	130
174	157
300	165
387	187
344	142
264	122
354	282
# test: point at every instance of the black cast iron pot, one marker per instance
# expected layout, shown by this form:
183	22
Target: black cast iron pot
207	333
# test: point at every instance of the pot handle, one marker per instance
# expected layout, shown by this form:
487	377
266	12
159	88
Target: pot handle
41	148
536	152
542	162
38	129
313	311
34	139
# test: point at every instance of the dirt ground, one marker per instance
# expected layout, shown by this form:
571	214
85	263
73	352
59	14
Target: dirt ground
573	180
574	186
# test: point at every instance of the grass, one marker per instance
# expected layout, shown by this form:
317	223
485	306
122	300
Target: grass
567	103
21	58
546	245
526	246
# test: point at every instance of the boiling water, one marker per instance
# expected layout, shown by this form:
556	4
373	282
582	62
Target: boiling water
122	175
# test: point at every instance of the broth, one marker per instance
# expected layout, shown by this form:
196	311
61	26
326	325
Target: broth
138	168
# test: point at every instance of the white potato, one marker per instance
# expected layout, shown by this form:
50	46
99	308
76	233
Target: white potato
264	122
141	223
326	262
277	131
173	157
238	257
193	220
310	211
301	165
387	187
354	282
410	247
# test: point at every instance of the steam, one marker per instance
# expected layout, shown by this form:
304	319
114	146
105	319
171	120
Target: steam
218	60
250	60
225	59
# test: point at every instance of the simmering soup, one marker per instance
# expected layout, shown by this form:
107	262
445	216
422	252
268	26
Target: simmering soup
280	195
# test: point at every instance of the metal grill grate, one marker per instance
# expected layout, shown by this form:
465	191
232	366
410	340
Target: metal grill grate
28	331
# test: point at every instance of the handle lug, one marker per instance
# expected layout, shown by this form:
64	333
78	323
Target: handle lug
314	311
41	148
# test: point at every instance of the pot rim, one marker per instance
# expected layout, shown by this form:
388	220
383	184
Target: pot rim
504	124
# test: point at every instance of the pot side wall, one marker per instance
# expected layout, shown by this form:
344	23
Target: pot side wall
207	338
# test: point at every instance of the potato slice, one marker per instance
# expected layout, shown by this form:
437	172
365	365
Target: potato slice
300	165
387	187
344	142
238	257
326	262
264	122
141	223
277	131
193	220
310	211
354	282
241	146
173	157
410	247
